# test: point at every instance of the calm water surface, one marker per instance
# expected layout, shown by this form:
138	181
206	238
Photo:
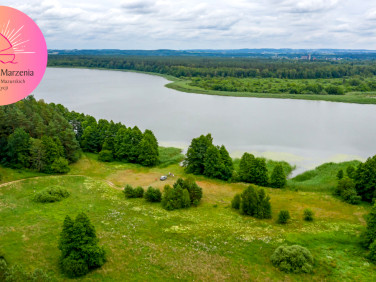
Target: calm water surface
305	133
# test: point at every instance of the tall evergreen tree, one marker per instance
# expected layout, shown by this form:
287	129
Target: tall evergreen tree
90	139
122	144
245	166
259	172
278	177
255	202
136	137
228	167
18	148
365	179
196	154
37	155
79	247
213	164
148	150
369	236
52	151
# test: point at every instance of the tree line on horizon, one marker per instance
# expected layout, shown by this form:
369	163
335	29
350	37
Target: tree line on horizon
209	67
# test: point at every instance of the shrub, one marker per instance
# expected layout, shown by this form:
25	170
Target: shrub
283	217
340	174
3	269
176	197
79	247
350	171
128	191
346	190
105	156
195	191
60	165
138	192
372	252
255	202
235	203
308	215
172	197
365	179
296	259
369	235
73	267
350	196
50	195
153	195
17	273
186	200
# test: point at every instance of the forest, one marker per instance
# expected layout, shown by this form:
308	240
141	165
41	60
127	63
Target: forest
48	137
221	67
249	75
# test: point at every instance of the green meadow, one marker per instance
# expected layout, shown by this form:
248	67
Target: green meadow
211	242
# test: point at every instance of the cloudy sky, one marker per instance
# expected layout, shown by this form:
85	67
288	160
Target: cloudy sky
194	24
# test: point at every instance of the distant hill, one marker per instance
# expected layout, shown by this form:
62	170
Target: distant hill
361	54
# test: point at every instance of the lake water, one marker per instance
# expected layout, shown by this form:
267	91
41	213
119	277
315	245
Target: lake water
305	133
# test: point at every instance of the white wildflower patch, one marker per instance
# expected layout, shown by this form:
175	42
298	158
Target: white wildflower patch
177	229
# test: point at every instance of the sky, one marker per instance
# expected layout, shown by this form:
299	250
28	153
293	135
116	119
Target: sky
200	24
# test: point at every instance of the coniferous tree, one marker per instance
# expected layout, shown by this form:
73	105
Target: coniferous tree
213	164
79	247
195	191
228	167
148	149
278	177
122	144
255	202
186	200
136	137
340	174
196	154
259	172
350	171
18	148
369	236
53	150
365	179
245	167
90	139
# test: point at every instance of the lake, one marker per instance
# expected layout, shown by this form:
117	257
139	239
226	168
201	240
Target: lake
304	133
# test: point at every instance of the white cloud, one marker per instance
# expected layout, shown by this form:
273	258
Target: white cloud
308	6
180	24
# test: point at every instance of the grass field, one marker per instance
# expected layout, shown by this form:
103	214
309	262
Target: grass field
321	179
210	242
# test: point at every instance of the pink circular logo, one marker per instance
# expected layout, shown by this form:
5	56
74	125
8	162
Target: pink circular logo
23	55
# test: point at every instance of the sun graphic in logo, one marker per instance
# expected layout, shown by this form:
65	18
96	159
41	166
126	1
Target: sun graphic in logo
11	43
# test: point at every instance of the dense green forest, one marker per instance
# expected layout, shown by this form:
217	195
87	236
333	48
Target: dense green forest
253	75
221	67
333	86
47	137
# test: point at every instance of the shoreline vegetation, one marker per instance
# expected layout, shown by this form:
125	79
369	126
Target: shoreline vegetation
351	81
182	85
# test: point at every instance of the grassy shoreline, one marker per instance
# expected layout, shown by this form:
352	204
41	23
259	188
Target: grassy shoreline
183	86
